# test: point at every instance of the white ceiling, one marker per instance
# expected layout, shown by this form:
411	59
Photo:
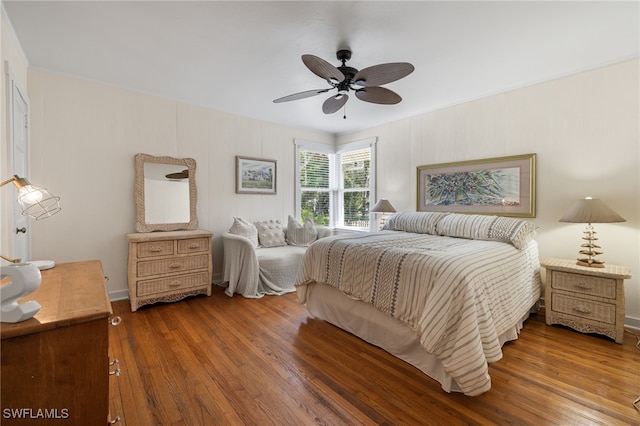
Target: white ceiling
238	56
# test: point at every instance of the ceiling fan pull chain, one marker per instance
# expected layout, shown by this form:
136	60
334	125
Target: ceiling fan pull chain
345	111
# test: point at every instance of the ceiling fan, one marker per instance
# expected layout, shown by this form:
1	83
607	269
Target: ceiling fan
365	83
178	175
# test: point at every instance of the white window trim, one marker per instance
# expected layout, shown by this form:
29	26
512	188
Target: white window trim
335	180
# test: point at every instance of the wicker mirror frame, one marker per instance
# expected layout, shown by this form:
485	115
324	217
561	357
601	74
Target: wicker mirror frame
139	193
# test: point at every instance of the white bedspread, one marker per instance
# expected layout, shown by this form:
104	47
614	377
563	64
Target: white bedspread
458	295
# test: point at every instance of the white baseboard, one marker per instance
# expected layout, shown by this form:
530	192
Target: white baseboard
632	322
118	295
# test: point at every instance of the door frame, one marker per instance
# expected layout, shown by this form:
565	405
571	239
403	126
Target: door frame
15	90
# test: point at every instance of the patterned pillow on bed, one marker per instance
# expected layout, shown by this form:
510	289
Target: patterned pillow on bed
301	235
244	229
417	222
493	228
270	233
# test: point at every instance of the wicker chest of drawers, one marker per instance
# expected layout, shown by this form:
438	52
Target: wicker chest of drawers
168	266
589	300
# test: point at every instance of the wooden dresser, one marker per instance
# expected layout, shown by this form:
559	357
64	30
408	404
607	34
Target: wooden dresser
590	300
55	366
168	266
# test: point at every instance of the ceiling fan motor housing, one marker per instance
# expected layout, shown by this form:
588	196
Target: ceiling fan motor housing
349	72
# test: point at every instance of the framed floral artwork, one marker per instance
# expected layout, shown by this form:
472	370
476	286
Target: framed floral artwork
503	186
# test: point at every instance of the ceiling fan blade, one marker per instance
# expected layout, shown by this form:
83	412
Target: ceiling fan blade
378	75
301	95
334	103
378	95
322	68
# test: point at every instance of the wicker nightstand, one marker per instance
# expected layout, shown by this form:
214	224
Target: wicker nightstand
589	300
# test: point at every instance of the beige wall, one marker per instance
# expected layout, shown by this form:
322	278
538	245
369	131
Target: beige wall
584	129
84	137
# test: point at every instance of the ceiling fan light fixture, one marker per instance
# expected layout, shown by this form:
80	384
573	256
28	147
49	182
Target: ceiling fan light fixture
366	83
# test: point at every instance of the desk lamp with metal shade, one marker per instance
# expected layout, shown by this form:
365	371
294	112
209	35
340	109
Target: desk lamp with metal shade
24	278
590	210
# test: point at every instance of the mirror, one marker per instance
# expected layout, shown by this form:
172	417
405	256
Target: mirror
165	193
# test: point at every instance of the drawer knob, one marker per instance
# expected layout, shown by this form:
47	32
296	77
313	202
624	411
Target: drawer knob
155	249
115	363
194	246
175	284
582	309
583	286
175	266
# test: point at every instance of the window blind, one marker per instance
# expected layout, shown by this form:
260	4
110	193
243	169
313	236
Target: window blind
314	168
355	171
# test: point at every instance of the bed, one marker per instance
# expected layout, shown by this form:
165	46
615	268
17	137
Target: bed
441	291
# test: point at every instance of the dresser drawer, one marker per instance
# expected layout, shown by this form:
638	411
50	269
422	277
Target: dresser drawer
155	248
164	285
588	309
176	264
193	245
585	284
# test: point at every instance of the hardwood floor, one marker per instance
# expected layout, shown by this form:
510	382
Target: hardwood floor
235	361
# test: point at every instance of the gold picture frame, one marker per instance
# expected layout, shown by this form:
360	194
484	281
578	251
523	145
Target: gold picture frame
504	186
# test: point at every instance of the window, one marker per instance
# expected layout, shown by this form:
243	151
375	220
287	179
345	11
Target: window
314	186
335	185
355	187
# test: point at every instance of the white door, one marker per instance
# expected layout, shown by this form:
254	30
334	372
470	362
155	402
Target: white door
19	133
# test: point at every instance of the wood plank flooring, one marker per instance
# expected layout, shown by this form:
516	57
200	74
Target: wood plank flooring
235	361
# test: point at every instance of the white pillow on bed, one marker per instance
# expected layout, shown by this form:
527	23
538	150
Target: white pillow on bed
245	229
416	222
301	235
492	228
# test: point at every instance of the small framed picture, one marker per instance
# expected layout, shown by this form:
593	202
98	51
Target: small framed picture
255	175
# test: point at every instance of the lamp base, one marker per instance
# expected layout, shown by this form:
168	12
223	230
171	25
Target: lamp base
43	265
590	263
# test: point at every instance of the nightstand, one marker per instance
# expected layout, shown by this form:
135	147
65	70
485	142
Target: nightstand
589	300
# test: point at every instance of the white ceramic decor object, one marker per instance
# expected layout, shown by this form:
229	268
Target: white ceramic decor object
25	279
